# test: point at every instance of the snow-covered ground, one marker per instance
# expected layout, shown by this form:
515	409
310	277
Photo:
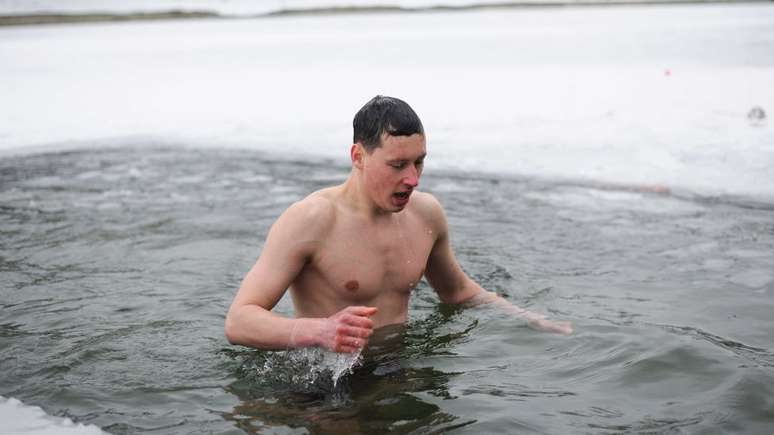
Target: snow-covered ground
650	94
17	418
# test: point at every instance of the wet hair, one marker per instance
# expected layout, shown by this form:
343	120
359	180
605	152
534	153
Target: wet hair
384	115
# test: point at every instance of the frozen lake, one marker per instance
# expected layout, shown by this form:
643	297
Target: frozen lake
634	95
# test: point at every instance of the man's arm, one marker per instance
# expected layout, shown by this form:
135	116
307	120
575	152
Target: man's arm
290	243
454	286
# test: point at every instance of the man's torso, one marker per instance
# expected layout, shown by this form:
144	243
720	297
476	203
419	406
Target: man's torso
359	262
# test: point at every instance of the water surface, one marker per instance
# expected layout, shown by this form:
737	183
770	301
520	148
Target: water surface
118	266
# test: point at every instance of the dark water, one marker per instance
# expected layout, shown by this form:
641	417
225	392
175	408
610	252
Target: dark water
118	266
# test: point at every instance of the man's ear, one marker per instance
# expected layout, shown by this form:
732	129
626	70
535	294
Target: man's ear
357	154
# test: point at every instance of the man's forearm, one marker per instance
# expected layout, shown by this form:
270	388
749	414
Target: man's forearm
345	331
534	320
253	326
487	297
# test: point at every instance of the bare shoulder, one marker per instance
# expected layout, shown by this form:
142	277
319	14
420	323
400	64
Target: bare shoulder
318	205
309	218
428	208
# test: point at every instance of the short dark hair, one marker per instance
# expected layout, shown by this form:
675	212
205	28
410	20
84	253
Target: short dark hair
384	115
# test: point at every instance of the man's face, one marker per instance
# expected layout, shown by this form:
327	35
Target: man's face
392	170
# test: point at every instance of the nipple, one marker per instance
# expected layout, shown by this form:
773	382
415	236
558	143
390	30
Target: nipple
352	285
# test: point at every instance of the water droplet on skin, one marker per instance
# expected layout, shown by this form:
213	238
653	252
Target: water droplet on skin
408	261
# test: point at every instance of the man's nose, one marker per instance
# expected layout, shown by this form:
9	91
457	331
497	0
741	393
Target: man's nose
412	177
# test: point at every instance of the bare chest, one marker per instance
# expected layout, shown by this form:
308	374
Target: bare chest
362	265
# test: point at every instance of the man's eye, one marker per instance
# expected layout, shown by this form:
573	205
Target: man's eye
398	165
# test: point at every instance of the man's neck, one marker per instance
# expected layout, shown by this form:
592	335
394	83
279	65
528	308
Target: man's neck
355	197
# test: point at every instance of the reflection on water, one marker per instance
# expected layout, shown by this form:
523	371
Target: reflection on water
118	266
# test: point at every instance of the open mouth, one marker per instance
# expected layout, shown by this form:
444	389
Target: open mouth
401	195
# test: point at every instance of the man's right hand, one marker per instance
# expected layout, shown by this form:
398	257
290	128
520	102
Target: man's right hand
348	330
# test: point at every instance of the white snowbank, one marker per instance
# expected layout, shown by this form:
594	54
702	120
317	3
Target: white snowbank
17	418
640	95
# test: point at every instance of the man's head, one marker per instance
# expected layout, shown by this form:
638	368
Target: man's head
388	152
384	115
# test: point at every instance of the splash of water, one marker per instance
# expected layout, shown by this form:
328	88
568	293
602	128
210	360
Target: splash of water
309	368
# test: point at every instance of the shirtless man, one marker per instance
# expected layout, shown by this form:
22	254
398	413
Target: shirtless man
351	254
